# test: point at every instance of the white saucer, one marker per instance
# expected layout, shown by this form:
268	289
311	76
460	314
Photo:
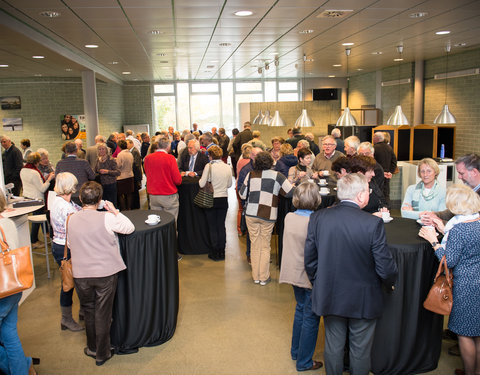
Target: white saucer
419	221
152	222
324	193
322	184
388	220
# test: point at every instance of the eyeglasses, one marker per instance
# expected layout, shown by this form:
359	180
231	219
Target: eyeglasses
329	144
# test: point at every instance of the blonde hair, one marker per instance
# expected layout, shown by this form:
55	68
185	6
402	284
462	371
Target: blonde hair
256	134
431	163
462	200
246	150
286	149
33	158
65	183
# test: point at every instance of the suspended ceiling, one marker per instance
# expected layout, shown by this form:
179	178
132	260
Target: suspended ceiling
169	40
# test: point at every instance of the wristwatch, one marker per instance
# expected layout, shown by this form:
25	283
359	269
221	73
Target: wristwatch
435	244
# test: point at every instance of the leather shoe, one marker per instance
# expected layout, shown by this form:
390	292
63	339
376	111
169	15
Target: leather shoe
454	350
100	363
89	353
459	371
316	365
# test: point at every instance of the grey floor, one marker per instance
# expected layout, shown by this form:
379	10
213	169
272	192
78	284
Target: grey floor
226	324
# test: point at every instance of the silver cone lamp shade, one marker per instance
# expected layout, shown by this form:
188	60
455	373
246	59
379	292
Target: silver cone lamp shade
304	121
445	117
277	120
346	119
266	119
257	118
398	118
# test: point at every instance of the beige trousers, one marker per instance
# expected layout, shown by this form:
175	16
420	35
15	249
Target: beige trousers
260	232
168	203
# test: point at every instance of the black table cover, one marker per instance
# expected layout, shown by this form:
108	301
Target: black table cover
146	304
193	233
285	206
408	338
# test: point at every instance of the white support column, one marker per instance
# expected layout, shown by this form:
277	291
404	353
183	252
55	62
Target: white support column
90	105
418	93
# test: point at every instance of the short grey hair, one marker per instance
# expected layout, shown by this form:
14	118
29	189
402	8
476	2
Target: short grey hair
471	161
129	132
306	196
207	136
65	183
352	141
189	137
310	137
196	143
304	143
329	137
99	139
5	137
43	152
378	137
336	133
70	148
163	143
350	185
366	146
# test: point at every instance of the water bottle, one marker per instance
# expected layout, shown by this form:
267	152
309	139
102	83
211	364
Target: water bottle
442	151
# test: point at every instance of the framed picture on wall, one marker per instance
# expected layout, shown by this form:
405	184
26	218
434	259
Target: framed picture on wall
10	102
12	124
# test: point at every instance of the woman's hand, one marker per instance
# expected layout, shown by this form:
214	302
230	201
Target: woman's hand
427	217
438	223
111	208
302	174
51	176
103	171
428	233
407	207
315	175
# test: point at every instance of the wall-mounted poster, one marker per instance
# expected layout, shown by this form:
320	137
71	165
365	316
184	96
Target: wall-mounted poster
11	102
12	124
73	127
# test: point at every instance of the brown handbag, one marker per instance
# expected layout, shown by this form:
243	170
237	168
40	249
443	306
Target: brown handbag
439	299
66	265
16	269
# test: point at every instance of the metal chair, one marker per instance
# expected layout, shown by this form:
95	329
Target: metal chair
42	219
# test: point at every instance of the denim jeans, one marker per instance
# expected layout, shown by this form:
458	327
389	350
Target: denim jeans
12	357
65	297
305	329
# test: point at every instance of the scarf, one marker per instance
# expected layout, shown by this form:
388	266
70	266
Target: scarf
32	166
457	219
419	194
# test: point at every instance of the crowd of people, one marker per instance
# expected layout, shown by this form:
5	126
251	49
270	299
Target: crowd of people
316	242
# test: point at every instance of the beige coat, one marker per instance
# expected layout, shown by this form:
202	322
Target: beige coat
294	236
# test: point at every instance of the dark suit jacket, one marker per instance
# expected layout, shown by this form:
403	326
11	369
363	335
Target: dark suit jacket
200	162
242	137
346	259
80	168
385	156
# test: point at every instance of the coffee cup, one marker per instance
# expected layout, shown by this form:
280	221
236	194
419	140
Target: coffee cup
153	218
386	216
324	190
430	227
323	181
326	173
310	180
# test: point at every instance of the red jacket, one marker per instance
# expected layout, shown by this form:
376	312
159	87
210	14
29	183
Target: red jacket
162	173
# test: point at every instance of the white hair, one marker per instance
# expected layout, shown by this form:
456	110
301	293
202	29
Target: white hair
352	141
378	137
336	133
366	146
350	185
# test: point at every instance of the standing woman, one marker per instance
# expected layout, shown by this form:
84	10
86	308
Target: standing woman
96	261
462	252
220	175
35	186
261	211
125	181
106	168
60	208
306	199
25	145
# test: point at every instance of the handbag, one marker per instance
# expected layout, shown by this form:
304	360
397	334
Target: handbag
204	197
16	268
439	298
66	265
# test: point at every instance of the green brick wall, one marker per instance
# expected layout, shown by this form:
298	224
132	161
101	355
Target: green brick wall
362	90
138	104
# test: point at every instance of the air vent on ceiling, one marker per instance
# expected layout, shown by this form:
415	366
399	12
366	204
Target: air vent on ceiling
459	73
210	66
334	13
396	82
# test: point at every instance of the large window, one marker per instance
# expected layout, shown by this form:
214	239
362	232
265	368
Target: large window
214	103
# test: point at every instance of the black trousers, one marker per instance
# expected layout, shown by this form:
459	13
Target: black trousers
96	299
216	227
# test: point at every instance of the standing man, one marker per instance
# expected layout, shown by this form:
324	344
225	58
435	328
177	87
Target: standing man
351	145
137	174
92	151
135	141
80	168
323	161
163	177
215	134
366	149
195	128
192	162
337	134
12	164
243	137
347	260
223	142
206	140
385	156
145	145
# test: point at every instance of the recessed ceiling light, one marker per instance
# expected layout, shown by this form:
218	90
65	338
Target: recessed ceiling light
309	60
113	62
243	13
348	44
377	53
162	54
214	61
156	32
463	44
418	15
126	73
38	57
306	31
91	46
68	70
331	76
3	65
444	32
37	75
397	59
359	69
337	65
224	44
50	14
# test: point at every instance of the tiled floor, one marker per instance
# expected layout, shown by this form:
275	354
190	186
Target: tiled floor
226	324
